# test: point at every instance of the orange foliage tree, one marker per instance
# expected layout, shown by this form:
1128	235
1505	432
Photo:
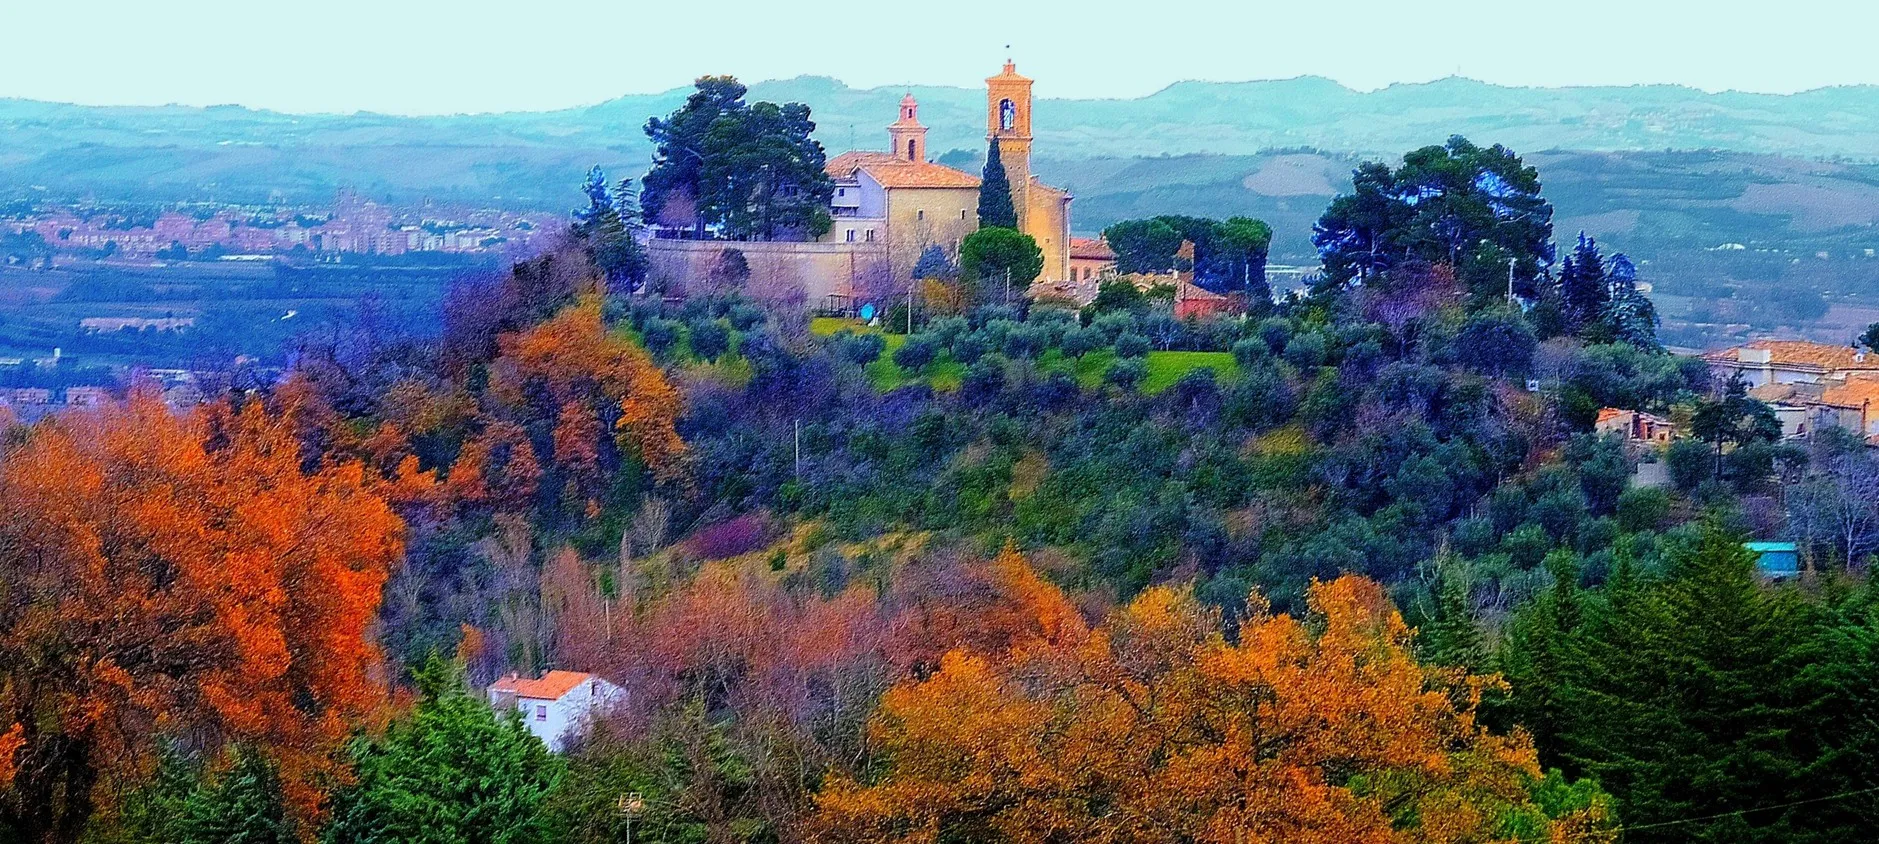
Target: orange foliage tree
589	374
1155	727
179	578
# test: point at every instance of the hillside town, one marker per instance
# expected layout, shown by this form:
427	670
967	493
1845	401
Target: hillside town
51	234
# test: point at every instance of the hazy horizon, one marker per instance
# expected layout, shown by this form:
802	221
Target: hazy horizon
433	58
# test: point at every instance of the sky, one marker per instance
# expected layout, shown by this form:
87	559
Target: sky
432	57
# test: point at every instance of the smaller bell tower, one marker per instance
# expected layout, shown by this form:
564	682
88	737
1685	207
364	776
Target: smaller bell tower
906	137
1008	124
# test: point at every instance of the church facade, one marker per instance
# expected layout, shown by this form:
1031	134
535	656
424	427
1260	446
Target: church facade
899	198
888	207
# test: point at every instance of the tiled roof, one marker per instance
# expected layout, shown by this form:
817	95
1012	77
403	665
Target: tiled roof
1853	393
550	686
1826	356
1091	248
894	172
1607	414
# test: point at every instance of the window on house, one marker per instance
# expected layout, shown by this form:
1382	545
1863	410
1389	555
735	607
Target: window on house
870	235
962	213
920	214
841	191
851	235
541	712
910	151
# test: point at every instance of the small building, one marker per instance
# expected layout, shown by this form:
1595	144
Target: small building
1635	426
87	396
556	706
1776	560
1091	258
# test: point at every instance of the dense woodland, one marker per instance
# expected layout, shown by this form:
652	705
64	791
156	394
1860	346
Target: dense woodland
1353	568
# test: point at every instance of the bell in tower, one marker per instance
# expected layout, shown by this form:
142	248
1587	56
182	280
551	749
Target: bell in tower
907	138
1008	124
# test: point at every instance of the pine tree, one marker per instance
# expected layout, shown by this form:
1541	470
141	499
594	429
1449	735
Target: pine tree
1583	291
607	225
1453	635
1684	701
995	205
1540	654
242	806
453	771
1629	315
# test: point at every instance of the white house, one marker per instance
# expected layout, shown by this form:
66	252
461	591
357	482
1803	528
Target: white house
556	706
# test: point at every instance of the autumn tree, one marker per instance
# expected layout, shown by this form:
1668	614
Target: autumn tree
607	399
1154	727
179	576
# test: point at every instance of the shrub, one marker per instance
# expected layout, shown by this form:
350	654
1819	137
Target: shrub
915	354
1078	342
1127	373
1690	463
1250	352
730	538
860	349
710	339
659	335
968	348
1131	345
1305	351
1643	508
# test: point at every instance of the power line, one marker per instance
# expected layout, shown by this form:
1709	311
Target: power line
1737	813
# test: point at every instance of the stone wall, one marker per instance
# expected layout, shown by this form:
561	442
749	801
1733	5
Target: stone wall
809	272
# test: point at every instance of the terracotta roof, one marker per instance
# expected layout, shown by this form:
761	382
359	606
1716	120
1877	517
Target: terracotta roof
894	172
843	167
1091	248
1607	414
1804	353
1855	392
550	686
1010	72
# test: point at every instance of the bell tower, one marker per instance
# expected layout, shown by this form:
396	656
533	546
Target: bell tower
1008	124
907	138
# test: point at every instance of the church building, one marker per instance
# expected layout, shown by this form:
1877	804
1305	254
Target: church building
900	199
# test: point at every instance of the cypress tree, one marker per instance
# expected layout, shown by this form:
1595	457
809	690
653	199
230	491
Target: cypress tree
995	205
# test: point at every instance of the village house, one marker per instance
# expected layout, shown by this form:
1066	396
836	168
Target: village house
1765	362
556	706
1091	259
1635	426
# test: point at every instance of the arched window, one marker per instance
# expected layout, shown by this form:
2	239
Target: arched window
1007	115
911	156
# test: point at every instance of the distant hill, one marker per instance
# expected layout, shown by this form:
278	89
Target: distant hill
534	158
1665	173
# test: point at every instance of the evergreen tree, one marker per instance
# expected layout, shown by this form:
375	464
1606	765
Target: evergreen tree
1684	701
1539	656
609	232
934	264
1583	292
1630	316
995	205
241	806
452	772
1453	635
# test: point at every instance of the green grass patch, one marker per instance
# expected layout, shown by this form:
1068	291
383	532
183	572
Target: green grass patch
1165	368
